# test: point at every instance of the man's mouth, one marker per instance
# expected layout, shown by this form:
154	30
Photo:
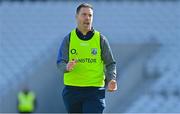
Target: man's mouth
86	23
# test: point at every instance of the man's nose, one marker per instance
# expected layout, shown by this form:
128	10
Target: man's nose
87	17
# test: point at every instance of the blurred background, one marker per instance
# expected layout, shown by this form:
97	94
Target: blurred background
144	36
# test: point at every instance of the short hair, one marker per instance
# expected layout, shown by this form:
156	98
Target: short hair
83	5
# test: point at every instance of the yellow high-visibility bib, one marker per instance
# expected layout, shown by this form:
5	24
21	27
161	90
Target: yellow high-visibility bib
89	70
26	102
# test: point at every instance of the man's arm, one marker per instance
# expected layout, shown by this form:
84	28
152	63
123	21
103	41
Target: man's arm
109	61
63	55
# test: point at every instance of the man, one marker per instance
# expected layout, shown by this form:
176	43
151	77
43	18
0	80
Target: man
82	57
26	101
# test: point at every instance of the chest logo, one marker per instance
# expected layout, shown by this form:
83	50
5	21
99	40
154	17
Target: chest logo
94	51
73	51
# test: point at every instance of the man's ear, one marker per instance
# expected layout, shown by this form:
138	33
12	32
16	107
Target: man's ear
76	16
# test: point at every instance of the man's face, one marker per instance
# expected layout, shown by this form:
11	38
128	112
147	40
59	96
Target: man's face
84	18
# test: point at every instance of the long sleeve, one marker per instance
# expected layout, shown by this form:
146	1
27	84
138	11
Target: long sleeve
63	54
109	61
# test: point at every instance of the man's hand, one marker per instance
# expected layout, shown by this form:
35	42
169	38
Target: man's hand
112	86
71	65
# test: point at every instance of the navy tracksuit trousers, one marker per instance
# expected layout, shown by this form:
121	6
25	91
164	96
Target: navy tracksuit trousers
84	99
